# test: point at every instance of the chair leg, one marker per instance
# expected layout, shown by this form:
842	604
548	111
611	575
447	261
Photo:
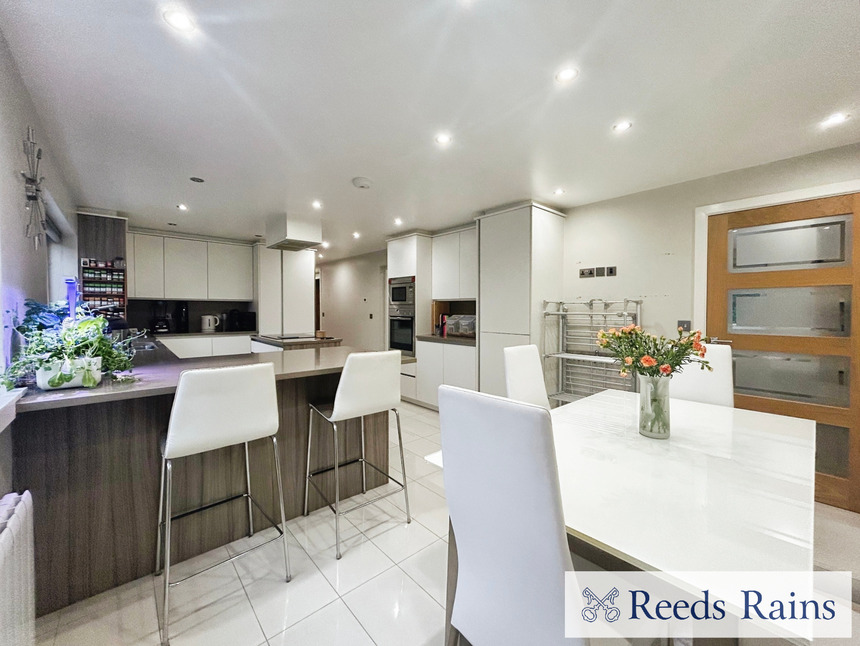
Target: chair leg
402	465
165	622
308	468
363	463
281	501
336	493
160	521
248	491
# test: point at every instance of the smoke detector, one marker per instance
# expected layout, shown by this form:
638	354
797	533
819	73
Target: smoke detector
361	182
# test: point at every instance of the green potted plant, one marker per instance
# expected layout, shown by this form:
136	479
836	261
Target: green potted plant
75	352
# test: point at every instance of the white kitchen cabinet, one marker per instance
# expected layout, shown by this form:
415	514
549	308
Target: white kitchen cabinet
148	266
492	363
232	344
190	347
469	263
185	274
505	272
430	371
443	363
459	367
129	264
402	257
231	272
446	267
411	255
408	386
259	347
269	298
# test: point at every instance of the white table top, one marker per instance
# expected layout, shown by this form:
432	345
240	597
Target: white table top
730	490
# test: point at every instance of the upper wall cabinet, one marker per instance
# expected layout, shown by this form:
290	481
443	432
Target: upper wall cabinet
403	257
148	266
129	263
186	269
231	272
455	265
185	275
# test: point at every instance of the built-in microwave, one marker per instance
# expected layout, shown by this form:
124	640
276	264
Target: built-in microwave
401	292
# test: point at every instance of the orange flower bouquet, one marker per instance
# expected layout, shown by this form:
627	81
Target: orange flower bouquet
655	359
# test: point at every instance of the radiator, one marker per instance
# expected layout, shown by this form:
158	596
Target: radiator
17	571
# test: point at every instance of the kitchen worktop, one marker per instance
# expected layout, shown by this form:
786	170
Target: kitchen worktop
158	373
310	342
453	340
185	335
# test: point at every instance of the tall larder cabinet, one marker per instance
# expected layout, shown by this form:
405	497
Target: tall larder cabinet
520	260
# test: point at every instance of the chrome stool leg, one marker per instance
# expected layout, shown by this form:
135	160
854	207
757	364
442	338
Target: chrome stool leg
336	492
363	463
248	491
281	501
165	623
158	564
402	465
308	468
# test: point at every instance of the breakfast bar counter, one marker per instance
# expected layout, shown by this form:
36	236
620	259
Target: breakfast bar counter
90	458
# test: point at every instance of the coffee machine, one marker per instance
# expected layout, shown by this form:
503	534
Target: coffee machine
162	320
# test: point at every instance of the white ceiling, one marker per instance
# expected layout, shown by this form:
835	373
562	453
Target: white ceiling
279	103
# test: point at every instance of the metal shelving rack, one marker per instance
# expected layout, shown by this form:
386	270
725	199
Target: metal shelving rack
571	328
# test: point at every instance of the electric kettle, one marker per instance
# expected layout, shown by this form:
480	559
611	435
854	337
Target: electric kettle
208	322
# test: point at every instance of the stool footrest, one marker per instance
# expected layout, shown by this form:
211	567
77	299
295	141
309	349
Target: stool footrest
400	488
340	465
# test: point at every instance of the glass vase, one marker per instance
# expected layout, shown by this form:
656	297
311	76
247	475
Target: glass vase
654	407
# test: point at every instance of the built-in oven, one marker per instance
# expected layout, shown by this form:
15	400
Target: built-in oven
401	314
401	334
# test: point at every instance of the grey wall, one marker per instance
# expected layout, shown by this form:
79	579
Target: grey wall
24	271
648	236
351	290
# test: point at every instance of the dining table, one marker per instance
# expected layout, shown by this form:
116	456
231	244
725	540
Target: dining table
730	489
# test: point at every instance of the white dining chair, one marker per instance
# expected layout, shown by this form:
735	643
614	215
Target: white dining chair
706	386
524	375
214	408
501	483
369	384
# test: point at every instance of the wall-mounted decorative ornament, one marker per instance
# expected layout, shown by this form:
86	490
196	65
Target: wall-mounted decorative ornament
35	204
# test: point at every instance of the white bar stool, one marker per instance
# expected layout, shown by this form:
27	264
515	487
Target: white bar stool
215	408
369	383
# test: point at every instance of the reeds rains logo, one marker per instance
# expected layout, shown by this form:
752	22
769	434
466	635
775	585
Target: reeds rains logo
784	605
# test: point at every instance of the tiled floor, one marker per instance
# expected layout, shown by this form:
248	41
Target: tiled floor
389	587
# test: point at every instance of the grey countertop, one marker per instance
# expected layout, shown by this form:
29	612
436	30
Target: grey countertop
287	342
185	335
157	373
453	340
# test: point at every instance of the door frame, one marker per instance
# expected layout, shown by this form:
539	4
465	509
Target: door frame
700	240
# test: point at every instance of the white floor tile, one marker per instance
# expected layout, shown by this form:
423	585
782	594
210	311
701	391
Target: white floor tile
361	561
315	532
422	446
395	611
226	621
429	569
435	482
427	507
334	625
46	628
423	427
416	465
278	604
385	525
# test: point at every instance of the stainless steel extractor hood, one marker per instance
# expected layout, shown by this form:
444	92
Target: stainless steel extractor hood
293	232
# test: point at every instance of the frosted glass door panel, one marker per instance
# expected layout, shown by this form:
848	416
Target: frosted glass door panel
791	311
795	377
802	244
831	450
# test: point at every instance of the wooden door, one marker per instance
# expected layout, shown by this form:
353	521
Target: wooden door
781	282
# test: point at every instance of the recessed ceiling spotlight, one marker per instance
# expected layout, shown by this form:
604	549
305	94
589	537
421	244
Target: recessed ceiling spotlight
319	255
179	20
566	75
316	204
197	179
171	224
835	119
356	235
622	126
182	207
325	245
398	222
558	191
443	139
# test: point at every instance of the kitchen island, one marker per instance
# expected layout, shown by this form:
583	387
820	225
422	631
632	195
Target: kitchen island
90	458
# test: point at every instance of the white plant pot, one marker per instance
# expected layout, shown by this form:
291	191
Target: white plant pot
78	366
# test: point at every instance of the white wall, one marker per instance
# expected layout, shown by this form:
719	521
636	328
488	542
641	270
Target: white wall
351	290
23	270
648	236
